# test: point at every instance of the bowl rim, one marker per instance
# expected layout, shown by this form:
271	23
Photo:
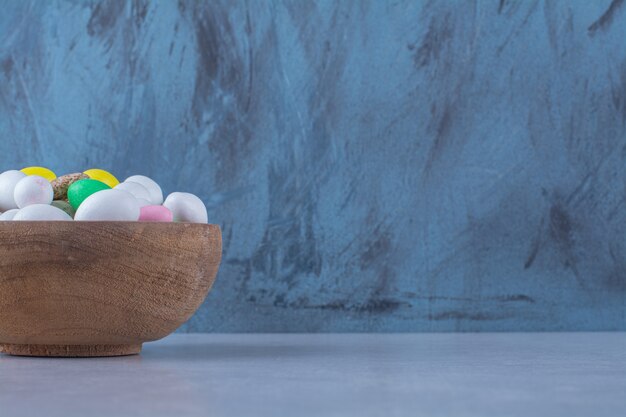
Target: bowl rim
104	222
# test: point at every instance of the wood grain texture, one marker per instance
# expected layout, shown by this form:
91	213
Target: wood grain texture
68	351
100	288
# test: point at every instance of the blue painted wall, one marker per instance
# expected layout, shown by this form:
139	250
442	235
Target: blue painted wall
375	165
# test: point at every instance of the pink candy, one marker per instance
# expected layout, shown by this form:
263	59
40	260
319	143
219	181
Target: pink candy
155	214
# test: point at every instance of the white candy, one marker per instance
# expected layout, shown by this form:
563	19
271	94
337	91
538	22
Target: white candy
143	202
41	212
33	190
136	189
8	180
186	207
156	194
112	205
8	215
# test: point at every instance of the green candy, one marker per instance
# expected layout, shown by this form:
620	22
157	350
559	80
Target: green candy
80	190
65	206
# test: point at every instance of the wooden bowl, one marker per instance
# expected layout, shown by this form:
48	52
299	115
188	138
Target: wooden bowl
100	288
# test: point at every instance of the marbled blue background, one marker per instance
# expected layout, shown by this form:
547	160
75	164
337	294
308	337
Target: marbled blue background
375	165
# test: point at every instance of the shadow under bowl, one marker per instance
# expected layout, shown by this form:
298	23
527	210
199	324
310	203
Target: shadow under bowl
100	288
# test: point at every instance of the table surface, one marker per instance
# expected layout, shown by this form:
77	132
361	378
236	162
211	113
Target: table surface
498	374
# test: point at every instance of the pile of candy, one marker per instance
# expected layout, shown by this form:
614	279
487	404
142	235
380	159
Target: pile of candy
36	193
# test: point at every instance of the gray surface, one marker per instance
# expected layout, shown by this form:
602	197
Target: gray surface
376	165
520	374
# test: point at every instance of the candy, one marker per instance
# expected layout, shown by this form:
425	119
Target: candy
8	181
35	193
41	212
8	215
80	190
155	214
65	206
62	183
113	205
143	202
40	171
102	176
32	190
186	207
156	194
136	189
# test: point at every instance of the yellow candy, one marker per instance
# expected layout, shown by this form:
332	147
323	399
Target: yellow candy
40	171
102	176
